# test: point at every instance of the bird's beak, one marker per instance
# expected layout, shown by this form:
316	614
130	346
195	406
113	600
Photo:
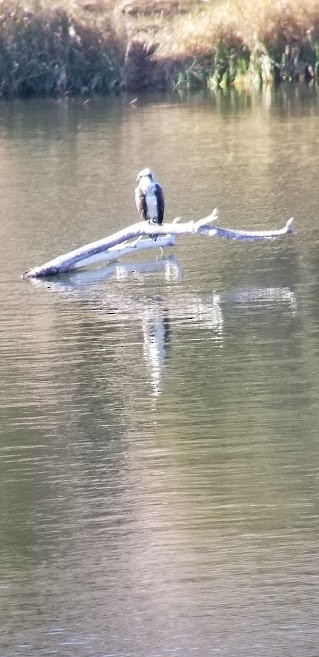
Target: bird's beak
138	179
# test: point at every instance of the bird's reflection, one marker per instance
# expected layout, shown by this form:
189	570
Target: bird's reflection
155	313
156	338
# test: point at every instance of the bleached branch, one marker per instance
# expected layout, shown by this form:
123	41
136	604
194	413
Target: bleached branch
118	244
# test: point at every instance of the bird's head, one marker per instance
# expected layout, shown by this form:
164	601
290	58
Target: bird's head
145	173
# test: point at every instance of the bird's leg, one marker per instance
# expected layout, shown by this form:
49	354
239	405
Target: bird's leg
154	237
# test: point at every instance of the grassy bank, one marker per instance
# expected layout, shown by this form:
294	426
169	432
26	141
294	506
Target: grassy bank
95	46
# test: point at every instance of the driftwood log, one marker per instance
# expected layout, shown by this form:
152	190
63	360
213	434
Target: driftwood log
140	236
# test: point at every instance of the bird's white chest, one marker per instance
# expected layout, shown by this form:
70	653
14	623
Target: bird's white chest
148	189
151	204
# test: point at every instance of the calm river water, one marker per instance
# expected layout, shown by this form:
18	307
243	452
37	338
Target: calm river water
160	418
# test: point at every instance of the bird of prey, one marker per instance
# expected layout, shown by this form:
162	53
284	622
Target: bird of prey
149	197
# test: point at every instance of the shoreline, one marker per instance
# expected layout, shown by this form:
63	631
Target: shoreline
97	48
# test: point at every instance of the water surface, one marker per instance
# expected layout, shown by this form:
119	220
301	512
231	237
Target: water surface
159	416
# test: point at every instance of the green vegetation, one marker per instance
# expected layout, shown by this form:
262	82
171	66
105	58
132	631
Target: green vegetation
94	46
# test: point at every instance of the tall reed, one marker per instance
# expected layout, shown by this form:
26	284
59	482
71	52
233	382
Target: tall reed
50	51
69	48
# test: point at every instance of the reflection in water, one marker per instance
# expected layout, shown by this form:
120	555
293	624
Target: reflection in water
159	427
266	295
156	337
119	271
155	314
256	294
150	314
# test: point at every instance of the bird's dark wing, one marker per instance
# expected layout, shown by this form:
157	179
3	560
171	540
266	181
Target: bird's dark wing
160	202
140	202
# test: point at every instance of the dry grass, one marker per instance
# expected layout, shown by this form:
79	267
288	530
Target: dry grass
94	46
275	22
52	51
246	42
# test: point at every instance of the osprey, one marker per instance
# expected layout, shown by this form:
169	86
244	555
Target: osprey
149	198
